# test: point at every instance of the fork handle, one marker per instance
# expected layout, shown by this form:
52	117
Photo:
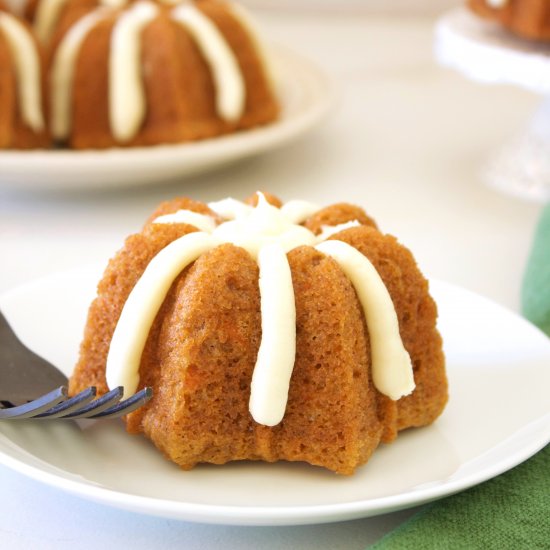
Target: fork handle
24	375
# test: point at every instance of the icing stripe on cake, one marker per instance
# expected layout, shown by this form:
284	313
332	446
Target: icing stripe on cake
226	73
200	221
27	69
391	365
276	355
62	73
127	103
143	304
47	15
249	25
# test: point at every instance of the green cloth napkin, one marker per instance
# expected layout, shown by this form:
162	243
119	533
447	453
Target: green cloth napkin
535	293
511	511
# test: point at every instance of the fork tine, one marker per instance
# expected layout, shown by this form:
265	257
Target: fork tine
128	405
99	405
70	405
56	405
37	406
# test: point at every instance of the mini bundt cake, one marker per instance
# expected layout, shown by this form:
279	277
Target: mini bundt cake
22	123
526	18
267	332
145	72
155	72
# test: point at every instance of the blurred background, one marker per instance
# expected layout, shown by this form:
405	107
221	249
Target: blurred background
424	7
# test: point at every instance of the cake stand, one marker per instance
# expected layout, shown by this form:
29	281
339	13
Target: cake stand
485	52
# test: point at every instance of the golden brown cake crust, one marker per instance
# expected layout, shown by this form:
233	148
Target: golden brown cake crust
201	352
336	214
526	18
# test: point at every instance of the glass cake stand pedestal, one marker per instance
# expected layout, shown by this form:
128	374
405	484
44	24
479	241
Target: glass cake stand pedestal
487	53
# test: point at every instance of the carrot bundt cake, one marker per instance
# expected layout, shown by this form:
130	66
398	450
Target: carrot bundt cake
267	331
526	18
144	72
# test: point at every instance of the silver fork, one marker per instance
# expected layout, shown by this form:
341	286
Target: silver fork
31	387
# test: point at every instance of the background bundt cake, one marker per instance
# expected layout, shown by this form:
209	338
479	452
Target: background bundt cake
268	332
154	72
145	72
22	120
527	18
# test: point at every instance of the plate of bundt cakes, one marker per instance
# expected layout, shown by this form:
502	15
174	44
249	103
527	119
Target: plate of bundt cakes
106	93
303	370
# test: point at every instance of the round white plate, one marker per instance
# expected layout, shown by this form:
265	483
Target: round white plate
498	415
305	95
486	52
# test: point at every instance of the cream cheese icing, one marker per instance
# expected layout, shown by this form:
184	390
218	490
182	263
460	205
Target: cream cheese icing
230	208
298	211
264	225
275	362
143	304
47	14
392	372
16	6
227	76
200	221
247	22
27	69
267	234
127	104
497	3
116	4
62	73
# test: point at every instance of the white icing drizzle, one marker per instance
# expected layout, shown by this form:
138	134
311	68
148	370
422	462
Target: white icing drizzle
329	230
127	103
47	15
249	25
143	304
264	225
298	211
115	4
200	221
63	69
16	6
267	234
497	3
26	61
391	365
229	208
226	73
275	362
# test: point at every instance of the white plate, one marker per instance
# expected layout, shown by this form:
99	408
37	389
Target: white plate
498	416
305	95
485	51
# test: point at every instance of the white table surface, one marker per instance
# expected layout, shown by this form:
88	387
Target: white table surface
406	139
